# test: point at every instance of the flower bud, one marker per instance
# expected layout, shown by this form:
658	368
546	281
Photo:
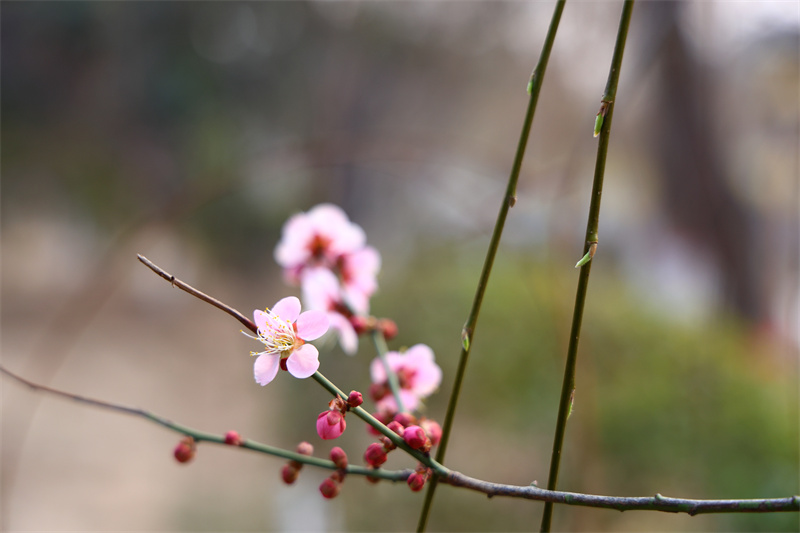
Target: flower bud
416	481
432	429
375	455
395	426
233	438
362	324
388	327
378	391
305	448
415	437
339	457
373	480
184	451
289	474
388	445
405	419
330	425
355	399
381	416
329	488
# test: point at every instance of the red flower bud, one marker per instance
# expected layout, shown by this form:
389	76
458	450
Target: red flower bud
375	455
355	399
289	474
330	425
388	327
388	445
416	481
362	324
184	451
415	437
233	438
433	430
381	416
305	448
329	488
405	419
338	457
395	426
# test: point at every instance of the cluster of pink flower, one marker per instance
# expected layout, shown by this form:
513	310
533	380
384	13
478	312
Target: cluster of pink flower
325	253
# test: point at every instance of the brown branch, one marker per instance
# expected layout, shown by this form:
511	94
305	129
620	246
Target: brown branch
198	294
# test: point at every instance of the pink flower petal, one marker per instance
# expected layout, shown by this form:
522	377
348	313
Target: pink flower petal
428	375
261	319
287	310
376	371
320	289
348	338
292	249
303	362
312	325
266	368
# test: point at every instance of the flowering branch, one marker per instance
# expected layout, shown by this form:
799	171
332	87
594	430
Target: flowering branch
510	198
318	377
590	246
456	479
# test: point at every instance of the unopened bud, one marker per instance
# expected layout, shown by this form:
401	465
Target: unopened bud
355	399
330	424
329	488
432	429
416	438
289	474
388	327
416	481
381	416
233	438
184	451
375	455
395	426
405	419
305	448
339	457
362	324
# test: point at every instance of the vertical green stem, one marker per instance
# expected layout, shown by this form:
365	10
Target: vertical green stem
508	201
568	386
391	377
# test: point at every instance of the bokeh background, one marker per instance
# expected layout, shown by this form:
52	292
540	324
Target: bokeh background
189	132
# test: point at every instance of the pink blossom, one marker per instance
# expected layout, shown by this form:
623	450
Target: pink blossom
417	372
318	237
284	331
321	291
330	424
359	271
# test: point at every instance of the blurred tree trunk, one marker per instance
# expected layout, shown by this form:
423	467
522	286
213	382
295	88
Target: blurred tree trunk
696	193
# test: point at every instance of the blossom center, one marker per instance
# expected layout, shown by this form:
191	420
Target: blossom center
279	336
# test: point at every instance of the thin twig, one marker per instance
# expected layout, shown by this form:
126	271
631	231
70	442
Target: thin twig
456	479
199	436
198	294
590	245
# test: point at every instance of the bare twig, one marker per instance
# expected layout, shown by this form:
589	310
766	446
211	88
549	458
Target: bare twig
198	294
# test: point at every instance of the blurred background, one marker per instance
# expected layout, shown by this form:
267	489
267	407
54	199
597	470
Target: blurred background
189	132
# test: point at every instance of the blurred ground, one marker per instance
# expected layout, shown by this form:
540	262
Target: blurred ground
189	132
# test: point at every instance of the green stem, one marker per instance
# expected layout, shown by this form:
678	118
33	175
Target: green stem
568	385
509	199
380	346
